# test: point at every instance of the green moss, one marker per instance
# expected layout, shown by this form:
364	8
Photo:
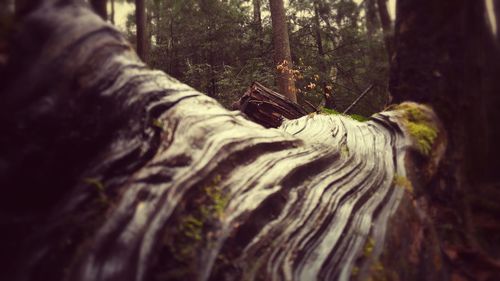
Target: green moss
424	135
157	123
355	271
191	228
357	117
403	182
99	187
420	126
328	111
368	248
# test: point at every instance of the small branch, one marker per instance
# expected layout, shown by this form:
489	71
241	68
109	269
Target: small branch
359	98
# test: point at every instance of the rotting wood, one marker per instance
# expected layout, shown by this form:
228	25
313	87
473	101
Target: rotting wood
136	176
268	107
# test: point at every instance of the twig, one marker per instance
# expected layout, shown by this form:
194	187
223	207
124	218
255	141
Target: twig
359	98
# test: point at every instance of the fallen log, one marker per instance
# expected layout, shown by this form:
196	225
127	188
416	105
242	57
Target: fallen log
267	107
113	171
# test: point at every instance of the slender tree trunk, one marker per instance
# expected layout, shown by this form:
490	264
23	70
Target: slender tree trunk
140	19
386	22
329	103
282	56
99	7
371	18
257	20
257	17
112	15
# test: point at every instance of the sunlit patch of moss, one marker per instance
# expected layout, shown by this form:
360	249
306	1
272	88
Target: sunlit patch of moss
369	246
157	123
328	111
424	135
420	126
403	182
359	118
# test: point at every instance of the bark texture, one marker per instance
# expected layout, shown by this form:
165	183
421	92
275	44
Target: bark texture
113	171
451	63
386	23
140	21
282	56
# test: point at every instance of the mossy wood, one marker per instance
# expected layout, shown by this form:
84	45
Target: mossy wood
113	171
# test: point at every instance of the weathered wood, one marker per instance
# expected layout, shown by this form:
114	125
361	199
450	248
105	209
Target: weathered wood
268	107
132	175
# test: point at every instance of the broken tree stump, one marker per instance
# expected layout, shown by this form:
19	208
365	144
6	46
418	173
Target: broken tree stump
268	107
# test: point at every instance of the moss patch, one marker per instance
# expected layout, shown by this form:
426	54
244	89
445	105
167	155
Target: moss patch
420	126
99	188
357	117
403	182
197	223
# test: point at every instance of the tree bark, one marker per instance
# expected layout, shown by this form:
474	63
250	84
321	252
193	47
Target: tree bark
136	176
100	8
386	22
450	63
257	18
140	20
329	102
282	56
112	14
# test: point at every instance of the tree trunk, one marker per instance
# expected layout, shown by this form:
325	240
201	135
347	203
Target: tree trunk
140	19
329	102
100	8
386	22
372	23
282	56
257	20
113	171
112	15
451	63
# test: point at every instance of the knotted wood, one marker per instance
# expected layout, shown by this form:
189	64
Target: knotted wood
137	176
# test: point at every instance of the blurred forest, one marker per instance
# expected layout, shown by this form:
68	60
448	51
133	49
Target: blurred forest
221	47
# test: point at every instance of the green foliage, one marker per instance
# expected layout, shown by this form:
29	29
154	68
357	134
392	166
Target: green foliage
218	48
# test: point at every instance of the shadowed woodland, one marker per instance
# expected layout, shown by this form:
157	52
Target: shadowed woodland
249	140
